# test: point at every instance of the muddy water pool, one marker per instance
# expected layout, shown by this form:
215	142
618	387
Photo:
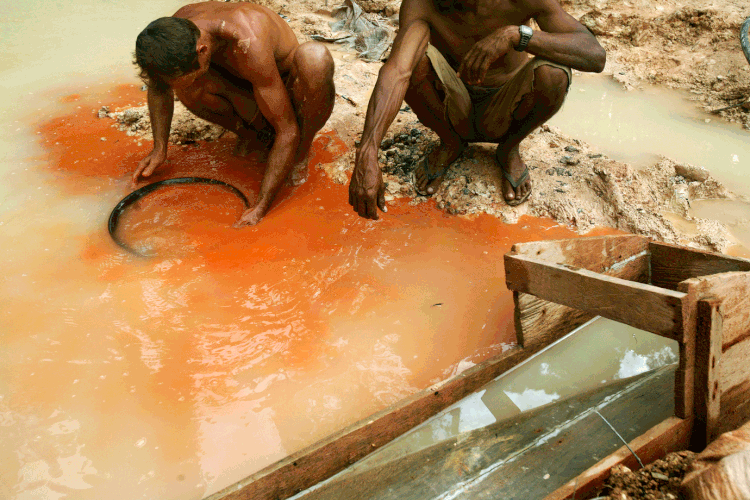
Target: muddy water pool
175	376
639	126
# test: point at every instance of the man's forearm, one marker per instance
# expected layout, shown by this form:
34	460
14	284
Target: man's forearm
386	100
577	50
160	110
280	164
392	84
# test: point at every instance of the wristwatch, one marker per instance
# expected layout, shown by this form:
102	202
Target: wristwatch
526	33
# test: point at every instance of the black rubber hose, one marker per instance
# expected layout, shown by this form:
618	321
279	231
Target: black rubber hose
744	38
136	195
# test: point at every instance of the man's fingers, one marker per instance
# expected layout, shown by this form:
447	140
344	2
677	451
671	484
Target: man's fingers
476	69
372	211
381	200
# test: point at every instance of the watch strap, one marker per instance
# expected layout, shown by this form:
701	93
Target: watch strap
525	33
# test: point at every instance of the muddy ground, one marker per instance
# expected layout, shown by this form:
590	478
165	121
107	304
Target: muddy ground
684	44
660	480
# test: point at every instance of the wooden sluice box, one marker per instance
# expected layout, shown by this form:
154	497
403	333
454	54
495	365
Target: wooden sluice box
699	299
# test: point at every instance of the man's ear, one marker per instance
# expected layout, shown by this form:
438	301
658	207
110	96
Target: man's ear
202	49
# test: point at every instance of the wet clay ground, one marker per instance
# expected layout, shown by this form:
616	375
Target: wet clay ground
231	348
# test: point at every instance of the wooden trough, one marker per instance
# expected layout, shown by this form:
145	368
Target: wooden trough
699	299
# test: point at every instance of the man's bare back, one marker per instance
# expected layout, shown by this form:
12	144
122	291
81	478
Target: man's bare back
238	65
443	48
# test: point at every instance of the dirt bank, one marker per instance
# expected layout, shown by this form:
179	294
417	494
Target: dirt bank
677	43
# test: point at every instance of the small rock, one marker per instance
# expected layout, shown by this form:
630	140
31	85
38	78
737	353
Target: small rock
571	149
567	160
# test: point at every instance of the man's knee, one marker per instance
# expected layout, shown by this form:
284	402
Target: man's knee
313	59
550	85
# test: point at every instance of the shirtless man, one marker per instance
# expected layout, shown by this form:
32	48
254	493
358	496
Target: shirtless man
464	68
240	66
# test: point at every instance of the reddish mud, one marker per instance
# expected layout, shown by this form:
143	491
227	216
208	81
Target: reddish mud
232	348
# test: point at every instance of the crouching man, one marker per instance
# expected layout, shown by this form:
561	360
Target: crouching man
238	65
472	71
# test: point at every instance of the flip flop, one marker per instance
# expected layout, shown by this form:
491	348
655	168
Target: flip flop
423	163
515	183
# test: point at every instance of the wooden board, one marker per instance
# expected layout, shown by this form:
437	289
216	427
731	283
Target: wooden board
508	459
670	435
733	290
625	256
320	461
542	322
707	358
734	384
646	307
671	264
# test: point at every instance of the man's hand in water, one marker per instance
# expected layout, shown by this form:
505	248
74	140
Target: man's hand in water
366	189
150	163
251	216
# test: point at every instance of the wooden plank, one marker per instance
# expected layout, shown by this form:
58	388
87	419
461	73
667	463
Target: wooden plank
685	376
542	322
559	436
643	306
673	434
735	408
671	264
707	357
320	461
733	289
625	256
734	385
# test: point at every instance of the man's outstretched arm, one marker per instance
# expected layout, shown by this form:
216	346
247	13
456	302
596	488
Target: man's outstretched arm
160	110
561	39
255	62
366	188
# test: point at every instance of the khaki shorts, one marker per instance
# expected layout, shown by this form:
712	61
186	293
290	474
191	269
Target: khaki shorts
490	109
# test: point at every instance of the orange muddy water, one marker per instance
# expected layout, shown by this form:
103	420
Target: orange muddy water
174	376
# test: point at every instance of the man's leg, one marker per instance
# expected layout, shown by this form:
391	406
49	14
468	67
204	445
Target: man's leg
538	103
228	104
425	96
312	92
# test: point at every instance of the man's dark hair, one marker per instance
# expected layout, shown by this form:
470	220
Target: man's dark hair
166	48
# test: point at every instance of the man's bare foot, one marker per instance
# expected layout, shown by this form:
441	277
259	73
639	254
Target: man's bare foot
430	171
251	217
299	173
516	184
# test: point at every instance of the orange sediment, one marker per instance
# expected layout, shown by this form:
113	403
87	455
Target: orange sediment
235	347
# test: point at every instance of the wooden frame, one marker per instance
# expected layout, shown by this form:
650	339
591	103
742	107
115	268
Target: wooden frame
325	458
700	299
557	286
